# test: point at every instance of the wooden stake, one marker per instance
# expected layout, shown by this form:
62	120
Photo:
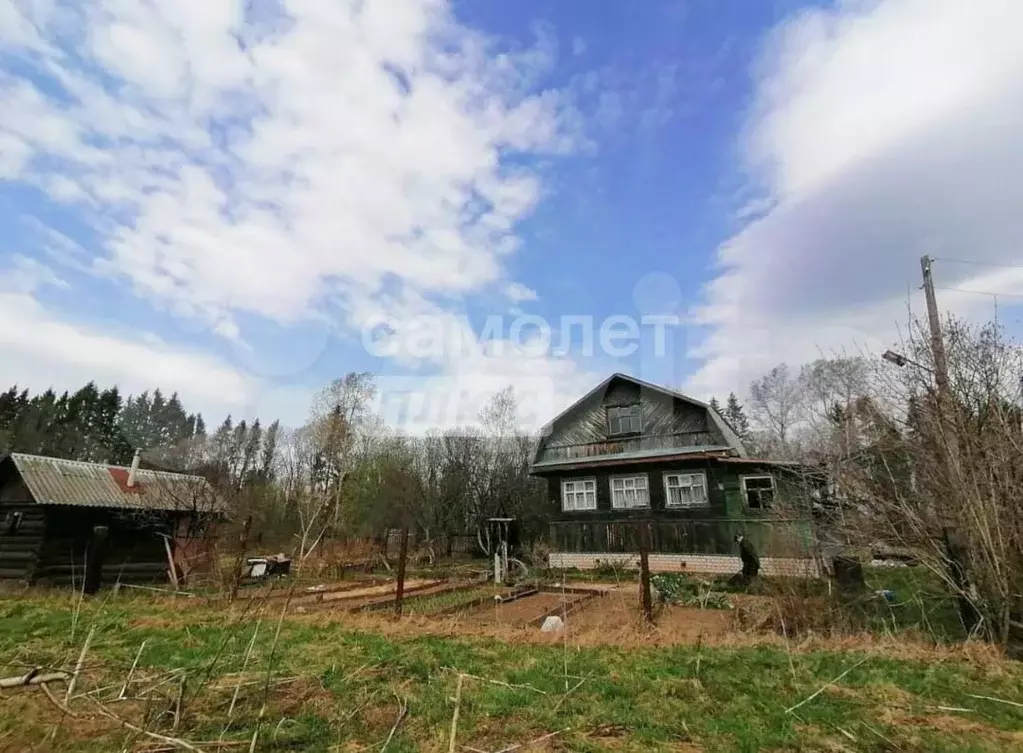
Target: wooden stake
172	569
399	592
644	571
243	546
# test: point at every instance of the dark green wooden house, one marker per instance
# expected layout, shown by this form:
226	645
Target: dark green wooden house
630	452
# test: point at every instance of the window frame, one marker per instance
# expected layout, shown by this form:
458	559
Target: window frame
12	522
626	477
745	490
592	480
667	493
635	417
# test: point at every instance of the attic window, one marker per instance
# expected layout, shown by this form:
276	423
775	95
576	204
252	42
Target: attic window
624	419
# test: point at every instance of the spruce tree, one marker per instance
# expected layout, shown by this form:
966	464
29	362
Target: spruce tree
736	416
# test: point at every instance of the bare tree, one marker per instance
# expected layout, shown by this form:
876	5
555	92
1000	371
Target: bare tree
775	408
340	412
944	481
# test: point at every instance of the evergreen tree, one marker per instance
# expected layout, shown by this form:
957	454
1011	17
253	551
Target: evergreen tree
109	444
153	434
266	462
251	455
133	422
716	406
736	416
8	416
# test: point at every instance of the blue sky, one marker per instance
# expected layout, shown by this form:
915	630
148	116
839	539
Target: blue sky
222	200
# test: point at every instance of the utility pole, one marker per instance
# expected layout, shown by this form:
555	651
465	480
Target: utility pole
946	422
934	320
956	552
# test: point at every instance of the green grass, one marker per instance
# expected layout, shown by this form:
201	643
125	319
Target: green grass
719	699
427	605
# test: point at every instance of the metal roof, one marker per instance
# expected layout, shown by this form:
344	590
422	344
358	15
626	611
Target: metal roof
55	481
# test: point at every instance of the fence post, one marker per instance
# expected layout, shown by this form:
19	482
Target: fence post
399	592
644	571
239	566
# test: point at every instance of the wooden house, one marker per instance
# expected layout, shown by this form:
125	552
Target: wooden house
630	457
65	522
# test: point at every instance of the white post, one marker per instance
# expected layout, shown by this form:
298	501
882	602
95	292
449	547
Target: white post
134	467
497	568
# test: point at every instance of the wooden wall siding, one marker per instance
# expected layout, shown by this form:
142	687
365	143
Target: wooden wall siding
13	489
135	553
19	552
777	538
655	481
782	531
667	422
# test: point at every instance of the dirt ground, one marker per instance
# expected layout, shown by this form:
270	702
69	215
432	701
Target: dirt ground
522	610
618	612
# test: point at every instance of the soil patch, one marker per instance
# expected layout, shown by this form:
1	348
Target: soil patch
523	610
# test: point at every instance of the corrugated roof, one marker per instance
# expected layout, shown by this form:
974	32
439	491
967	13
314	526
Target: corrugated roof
55	481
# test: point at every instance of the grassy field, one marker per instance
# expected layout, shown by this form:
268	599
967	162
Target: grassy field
341	682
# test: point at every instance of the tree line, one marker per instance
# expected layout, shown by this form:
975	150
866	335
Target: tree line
343	472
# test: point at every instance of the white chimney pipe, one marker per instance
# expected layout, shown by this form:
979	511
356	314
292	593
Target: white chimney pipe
134	467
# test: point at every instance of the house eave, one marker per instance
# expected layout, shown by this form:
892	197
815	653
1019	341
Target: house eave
707	452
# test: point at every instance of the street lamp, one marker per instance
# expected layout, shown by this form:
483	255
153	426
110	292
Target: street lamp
900	360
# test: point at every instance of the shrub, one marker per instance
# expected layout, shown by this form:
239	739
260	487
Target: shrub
674	588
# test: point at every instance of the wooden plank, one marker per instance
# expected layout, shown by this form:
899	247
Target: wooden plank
388	600
563	610
483	601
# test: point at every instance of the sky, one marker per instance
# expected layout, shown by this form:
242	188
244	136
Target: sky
241	201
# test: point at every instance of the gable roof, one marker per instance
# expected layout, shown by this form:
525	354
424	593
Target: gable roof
55	481
729	435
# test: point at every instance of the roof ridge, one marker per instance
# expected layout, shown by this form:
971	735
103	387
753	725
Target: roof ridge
107	466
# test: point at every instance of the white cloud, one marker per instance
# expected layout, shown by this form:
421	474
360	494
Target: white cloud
44	351
516	292
339	142
256	162
881	131
237	161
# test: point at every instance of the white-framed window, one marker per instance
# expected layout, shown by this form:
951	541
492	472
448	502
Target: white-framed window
685	490
629	491
624	419
758	491
579	494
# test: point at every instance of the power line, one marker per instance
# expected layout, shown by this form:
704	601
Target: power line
977	263
983	292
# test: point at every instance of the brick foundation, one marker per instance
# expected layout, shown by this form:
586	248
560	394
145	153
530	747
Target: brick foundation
693	563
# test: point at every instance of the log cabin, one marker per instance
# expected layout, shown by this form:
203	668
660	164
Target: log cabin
67	522
631	458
